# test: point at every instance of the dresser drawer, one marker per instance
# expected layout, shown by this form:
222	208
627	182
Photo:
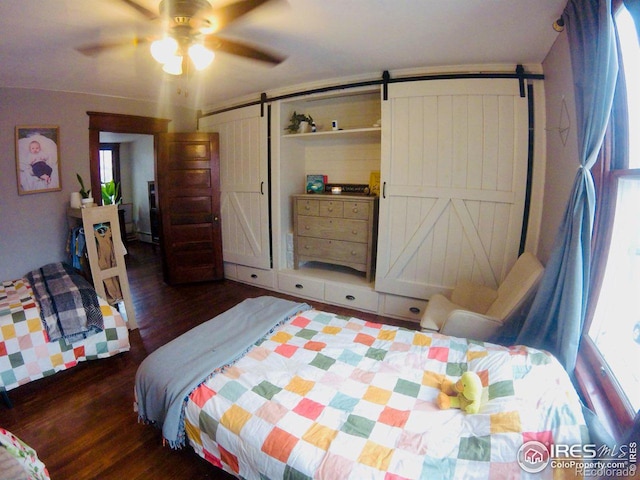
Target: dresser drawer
337	250
305	287
350	296
334	228
256	276
354	209
331	208
307	207
404	307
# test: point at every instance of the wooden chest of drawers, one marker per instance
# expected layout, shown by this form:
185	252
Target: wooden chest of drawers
336	229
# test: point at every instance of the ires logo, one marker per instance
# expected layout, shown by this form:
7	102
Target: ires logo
585	460
533	457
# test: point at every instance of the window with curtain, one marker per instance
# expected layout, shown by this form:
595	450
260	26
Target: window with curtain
612	338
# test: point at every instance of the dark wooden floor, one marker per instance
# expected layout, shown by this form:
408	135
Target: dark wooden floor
81	421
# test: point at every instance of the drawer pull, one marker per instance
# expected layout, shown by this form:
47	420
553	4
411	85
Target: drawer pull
355	232
253	275
353	252
414	310
307	227
355	210
307	207
330	209
350	297
307	247
299	286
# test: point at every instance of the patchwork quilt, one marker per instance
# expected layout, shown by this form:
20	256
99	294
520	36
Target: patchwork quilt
18	460
26	354
330	397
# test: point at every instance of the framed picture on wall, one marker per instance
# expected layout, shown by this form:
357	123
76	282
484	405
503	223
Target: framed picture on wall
38	159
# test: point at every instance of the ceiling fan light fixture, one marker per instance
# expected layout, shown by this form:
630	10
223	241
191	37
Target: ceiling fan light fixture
173	65
201	56
164	49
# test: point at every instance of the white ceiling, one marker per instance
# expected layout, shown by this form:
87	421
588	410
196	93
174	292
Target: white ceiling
322	39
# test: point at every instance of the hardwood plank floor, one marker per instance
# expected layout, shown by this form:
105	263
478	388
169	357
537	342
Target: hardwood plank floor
81	421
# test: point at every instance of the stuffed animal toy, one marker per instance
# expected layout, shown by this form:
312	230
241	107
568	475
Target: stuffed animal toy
465	394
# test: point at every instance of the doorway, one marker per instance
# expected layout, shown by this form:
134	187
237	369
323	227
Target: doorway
129	160
105	127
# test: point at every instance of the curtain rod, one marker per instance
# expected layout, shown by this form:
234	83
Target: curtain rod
386	79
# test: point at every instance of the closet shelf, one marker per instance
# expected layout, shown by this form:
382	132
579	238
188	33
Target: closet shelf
355	132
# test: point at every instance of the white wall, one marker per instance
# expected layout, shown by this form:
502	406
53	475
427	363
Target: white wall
142	173
562	146
33	228
127	161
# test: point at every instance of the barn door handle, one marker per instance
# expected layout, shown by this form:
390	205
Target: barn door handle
384	189
261	186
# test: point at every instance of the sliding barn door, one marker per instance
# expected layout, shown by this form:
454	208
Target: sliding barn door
454	166
244	185
188	192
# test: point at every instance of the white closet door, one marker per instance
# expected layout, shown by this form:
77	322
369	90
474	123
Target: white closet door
244	185
454	166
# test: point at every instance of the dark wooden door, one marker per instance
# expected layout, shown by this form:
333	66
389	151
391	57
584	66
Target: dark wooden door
188	195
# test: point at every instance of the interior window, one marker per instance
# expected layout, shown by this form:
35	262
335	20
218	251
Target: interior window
106	165
615	327
110	164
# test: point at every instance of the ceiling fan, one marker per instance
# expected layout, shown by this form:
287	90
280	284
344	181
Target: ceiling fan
189	27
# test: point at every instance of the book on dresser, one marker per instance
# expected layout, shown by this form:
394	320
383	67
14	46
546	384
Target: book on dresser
315	183
336	229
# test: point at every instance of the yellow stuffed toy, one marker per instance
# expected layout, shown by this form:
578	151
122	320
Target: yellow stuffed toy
465	394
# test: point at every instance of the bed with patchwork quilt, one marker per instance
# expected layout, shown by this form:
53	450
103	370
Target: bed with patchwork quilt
49	321
330	397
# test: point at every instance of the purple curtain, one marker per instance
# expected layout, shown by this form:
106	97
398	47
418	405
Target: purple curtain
557	314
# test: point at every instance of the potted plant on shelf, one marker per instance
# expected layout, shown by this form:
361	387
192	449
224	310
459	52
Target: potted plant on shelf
87	199
299	123
110	193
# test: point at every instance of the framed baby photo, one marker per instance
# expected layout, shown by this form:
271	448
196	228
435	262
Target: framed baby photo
38	159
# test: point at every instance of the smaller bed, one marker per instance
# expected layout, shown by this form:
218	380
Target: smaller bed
32	348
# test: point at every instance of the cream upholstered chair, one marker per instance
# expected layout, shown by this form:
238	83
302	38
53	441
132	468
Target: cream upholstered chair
476	311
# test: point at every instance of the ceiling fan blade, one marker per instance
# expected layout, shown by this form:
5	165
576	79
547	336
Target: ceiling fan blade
98	48
241	49
140	9
223	16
